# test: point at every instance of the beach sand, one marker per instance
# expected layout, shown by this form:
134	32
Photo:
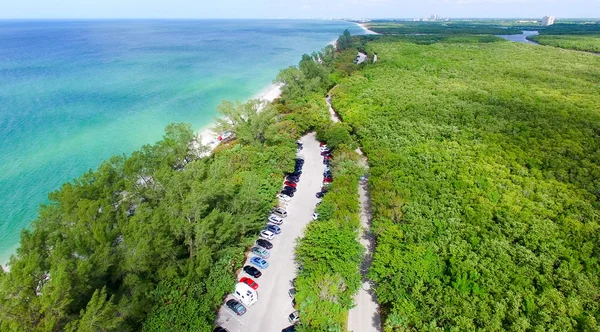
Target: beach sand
367	30
210	138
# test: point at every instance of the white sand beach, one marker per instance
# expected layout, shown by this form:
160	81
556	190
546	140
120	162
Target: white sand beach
210	139
367	30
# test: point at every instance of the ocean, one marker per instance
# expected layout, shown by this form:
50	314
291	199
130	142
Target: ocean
74	93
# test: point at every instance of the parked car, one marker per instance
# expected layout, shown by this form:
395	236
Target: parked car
326	162
225	136
261	263
290	328
292	189
292	292
327	174
267	235
280	212
264	243
219	329
287	193
299	161
294	317
294	302
275	219
296	173
261	252
251	270
290	184
285	197
249	282
315	216
327	180
274	229
324	148
323	144
292	178
236	307
320	194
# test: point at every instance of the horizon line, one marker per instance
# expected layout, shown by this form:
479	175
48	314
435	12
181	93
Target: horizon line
279	18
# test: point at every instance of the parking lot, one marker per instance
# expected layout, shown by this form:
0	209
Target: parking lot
270	313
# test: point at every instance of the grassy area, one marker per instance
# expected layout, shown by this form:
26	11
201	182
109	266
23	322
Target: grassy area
587	43
485	180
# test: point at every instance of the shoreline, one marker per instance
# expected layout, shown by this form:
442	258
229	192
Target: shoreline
209	138
366	29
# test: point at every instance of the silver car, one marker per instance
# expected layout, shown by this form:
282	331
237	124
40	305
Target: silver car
261	252
280	212
275	219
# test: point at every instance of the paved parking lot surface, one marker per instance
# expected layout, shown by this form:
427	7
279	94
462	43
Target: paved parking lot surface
270	313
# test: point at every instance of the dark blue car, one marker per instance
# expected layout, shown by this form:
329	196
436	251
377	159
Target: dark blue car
273	228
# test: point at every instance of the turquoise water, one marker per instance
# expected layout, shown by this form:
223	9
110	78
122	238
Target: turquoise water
74	93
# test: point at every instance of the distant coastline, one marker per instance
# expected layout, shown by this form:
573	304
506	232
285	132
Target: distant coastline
366	29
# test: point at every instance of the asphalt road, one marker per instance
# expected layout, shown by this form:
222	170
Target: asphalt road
270	312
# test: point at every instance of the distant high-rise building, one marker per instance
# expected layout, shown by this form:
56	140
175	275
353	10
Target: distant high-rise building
548	20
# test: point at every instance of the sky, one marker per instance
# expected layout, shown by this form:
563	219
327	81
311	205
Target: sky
17	9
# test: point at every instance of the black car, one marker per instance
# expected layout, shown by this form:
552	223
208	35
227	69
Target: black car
326	162
251	270
299	161
237	307
288	192
292	178
292	189
296	173
320	194
264	243
219	329
290	328
327	174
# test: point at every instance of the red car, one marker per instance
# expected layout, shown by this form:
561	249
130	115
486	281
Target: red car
290	184
322	143
327	180
249	282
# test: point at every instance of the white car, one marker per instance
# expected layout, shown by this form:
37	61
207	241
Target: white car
275	220
285	197
324	148
294	317
315	216
267	235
